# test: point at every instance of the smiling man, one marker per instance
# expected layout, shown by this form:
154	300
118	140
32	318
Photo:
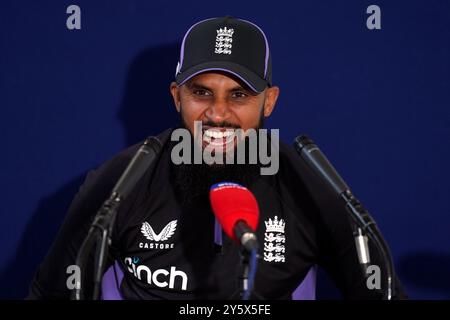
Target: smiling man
166	243
224	82
222	103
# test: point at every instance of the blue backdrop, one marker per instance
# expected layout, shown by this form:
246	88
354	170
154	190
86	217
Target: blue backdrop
376	101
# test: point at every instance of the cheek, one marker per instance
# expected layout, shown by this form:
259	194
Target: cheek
190	112
250	116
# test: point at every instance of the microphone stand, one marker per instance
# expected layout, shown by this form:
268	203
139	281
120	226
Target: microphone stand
245	268
101	229
367	225
249	265
317	161
249	256
100	236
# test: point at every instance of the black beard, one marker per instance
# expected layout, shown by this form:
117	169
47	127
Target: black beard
192	182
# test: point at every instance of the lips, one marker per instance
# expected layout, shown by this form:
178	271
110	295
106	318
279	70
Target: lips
220	139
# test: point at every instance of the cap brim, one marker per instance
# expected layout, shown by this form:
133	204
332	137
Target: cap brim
251	79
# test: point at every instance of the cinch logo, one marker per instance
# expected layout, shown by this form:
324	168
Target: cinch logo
157	277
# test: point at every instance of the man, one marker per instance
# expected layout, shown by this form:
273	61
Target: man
165	240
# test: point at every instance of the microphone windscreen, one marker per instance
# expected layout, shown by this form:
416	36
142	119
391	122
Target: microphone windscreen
232	202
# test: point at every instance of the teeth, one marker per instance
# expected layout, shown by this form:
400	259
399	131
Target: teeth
218	134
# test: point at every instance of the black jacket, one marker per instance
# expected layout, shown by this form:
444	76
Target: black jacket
168	252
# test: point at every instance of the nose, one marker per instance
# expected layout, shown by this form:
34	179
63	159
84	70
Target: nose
218	111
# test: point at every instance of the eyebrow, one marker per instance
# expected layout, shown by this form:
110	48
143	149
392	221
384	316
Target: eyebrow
196	86
193	86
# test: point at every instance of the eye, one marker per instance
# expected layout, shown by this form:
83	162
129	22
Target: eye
239	94
202	92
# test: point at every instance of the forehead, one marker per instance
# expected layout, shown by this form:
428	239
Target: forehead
217	79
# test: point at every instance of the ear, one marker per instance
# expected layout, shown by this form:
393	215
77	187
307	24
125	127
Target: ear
271	99
175	91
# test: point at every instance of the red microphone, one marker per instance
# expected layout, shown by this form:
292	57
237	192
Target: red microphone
237	211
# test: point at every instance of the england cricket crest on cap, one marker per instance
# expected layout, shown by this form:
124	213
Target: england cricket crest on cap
224	40
274	240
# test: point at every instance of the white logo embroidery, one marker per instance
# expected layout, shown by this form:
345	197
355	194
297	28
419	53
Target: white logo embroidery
274	240
224	40
177	70
165	234
161	278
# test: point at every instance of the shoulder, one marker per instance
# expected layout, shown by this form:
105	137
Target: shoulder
104	177
292	169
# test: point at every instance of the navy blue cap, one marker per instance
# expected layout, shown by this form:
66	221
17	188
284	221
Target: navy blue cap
227	44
